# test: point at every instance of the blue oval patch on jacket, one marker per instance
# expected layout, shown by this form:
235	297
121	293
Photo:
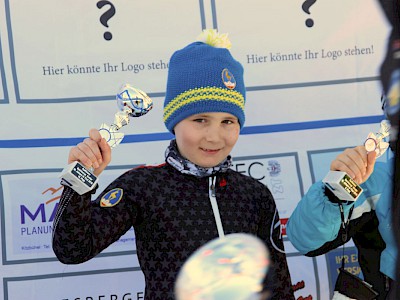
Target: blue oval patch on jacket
111	198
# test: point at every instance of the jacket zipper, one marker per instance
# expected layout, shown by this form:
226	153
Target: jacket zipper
214	205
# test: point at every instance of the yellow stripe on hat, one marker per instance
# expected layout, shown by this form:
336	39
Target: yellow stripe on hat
199	94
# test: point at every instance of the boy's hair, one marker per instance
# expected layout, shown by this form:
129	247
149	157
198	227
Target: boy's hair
204	77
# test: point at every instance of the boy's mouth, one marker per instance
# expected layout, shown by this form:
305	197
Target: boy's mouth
210	150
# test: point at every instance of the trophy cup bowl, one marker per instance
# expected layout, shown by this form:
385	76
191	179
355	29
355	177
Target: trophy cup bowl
135	100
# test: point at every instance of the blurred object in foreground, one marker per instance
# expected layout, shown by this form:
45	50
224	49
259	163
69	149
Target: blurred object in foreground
232	267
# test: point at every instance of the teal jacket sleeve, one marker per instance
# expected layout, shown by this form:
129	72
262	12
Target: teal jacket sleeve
315	224
315	220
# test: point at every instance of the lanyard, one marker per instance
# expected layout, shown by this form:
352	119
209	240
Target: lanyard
344	226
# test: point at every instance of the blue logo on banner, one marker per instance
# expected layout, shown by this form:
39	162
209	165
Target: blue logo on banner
274	168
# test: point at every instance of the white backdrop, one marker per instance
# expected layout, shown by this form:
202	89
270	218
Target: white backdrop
312	90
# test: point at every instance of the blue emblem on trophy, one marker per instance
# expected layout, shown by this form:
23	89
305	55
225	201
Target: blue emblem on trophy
132	102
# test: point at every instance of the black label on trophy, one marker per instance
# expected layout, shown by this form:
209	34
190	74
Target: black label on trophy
350	186
81	173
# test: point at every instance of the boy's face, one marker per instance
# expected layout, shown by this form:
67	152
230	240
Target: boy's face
207	139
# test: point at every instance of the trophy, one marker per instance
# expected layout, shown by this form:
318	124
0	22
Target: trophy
374	142
341	184
132	102
230	267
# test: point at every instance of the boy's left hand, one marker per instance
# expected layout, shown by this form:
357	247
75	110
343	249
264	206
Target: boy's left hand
356	162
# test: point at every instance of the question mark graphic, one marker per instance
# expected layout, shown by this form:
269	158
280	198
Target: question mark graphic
306	8
106	16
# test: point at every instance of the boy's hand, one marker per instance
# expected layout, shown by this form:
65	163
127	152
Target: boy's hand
93	152
356	162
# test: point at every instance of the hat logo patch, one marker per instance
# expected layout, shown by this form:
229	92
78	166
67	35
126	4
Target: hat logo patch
111	198
228	79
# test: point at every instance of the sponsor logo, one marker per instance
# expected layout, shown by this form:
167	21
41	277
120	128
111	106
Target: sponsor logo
274	168
126	296
43	213
283	226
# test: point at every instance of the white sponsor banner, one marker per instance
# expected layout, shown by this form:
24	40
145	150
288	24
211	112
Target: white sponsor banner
116	284
85	48
347	40
29	214
280	173
311	71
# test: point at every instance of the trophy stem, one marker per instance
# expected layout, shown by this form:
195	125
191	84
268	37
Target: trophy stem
121	118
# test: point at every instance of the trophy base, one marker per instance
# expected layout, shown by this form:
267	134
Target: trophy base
342	186
77	177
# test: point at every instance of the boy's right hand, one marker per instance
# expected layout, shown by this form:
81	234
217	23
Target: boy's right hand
93	152
356	162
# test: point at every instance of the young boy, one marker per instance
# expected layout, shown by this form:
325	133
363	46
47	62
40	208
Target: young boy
193	197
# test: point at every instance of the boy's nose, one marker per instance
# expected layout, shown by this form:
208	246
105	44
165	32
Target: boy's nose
213	134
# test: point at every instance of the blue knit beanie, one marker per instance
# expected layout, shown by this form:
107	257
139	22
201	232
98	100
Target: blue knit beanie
204	77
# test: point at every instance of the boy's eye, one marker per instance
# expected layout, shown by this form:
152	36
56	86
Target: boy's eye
228	122
199	120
